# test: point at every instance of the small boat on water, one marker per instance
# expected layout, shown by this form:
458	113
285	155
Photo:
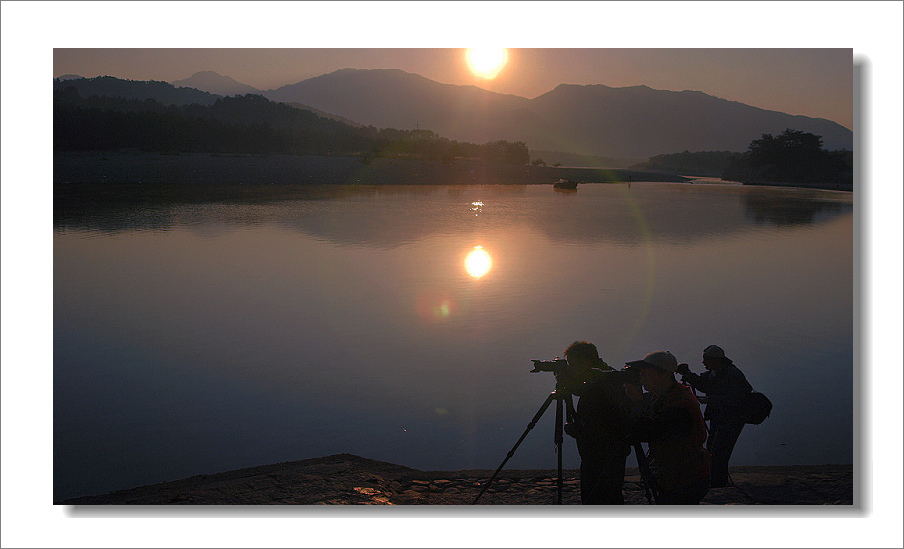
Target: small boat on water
567	184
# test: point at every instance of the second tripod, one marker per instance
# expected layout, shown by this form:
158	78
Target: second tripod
559	397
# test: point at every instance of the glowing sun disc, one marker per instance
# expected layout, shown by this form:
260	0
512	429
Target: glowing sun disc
478	262
486	62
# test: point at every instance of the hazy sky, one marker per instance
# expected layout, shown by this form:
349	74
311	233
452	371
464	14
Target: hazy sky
811	82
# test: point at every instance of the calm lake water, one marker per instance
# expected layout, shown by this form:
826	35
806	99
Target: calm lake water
195	338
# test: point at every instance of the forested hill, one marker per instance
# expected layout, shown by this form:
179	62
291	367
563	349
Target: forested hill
248	124
109	86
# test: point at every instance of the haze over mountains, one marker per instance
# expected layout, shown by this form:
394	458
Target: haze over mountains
632	122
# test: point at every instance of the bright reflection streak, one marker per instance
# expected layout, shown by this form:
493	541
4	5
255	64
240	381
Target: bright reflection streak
478	262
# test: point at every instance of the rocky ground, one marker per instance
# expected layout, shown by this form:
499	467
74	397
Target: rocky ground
346	479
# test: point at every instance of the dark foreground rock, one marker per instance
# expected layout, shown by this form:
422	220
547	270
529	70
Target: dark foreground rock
346	479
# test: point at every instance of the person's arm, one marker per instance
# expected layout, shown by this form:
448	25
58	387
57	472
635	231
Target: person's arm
571	418
697	381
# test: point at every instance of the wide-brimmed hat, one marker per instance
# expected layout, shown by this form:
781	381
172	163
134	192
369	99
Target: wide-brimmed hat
664	360
716	352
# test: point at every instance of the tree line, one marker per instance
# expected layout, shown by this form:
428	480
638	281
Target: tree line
793	157
248	124
707	163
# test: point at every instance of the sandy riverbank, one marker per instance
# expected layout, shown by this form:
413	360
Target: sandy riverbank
346	479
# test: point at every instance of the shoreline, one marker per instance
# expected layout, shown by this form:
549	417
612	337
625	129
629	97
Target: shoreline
205	170
346	479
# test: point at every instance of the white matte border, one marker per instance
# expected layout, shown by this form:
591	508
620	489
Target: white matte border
31	29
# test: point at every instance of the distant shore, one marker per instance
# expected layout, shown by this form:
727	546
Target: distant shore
346	479
202	169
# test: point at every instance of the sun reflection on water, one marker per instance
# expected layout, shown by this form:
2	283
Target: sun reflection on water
478	262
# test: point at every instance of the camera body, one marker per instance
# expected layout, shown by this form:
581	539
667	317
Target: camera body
626	375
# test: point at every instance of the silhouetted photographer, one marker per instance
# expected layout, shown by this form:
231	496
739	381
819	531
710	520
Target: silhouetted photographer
599	424
669	419
726	388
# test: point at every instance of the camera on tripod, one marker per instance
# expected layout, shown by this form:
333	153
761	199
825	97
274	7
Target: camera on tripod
557	366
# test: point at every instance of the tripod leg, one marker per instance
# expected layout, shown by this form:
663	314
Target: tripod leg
559	438
649	482
530	426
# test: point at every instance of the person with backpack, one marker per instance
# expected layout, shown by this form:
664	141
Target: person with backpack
599	425
726	387
668	418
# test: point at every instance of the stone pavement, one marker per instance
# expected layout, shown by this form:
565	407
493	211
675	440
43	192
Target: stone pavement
346	479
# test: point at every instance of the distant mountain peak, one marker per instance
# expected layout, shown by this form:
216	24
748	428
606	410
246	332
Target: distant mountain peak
213	82
387	73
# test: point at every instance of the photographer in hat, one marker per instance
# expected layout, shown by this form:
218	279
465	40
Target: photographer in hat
725	387
671	422
599	425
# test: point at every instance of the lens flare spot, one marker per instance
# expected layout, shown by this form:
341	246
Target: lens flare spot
478	262
443	310
441	411
435	306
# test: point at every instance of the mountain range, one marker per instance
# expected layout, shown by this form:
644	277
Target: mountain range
630	122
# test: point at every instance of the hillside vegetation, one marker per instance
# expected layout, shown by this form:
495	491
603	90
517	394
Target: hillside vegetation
249	124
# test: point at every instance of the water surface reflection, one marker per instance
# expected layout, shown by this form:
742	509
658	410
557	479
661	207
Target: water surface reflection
195	336
397	215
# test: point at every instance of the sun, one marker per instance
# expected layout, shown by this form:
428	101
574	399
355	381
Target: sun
486	62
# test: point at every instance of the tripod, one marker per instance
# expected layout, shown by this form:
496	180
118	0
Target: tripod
559	395
563	398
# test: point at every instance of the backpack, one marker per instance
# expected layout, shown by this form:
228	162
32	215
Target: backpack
756	408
